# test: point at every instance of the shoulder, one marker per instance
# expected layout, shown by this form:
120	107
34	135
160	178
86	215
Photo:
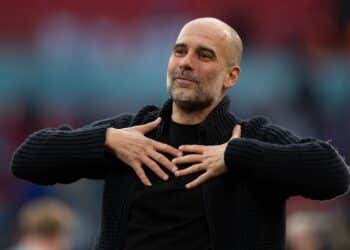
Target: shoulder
145	114
261	128
117	121
251	126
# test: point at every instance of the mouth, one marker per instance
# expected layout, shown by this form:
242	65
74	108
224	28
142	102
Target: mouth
185	81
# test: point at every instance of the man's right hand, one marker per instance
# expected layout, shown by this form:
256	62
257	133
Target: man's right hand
133	148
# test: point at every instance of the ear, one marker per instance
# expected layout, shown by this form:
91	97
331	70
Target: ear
232	76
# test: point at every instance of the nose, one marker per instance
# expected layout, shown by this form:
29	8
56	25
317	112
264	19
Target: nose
187	62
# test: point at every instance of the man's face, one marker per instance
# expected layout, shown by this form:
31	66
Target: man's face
198	67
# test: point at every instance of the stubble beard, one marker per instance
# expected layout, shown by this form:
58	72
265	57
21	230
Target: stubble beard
196	102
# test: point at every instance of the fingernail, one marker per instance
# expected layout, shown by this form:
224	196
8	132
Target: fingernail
179	154
177	173
188	186
165	177
174	169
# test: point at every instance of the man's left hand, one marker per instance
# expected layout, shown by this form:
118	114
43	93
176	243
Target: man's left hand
209	159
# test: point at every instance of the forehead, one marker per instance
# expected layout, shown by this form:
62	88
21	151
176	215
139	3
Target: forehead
203	35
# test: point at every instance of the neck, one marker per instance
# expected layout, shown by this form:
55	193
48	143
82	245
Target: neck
41	243
35	243
182	116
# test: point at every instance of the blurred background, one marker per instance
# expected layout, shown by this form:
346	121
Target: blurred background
77	61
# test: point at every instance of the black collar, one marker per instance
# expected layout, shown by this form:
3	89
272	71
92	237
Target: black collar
216	128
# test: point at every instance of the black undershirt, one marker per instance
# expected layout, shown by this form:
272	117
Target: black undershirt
167	215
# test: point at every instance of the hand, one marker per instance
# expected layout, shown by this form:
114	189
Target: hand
133	148
204	158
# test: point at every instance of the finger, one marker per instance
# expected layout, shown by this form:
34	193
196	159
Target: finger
192	169
199	149
165	148
188	159
198	181
155	168
148	126
142	175
236	132
163	160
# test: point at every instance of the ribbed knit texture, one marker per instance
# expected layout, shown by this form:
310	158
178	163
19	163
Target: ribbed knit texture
299	166
245	207
302	168
64	155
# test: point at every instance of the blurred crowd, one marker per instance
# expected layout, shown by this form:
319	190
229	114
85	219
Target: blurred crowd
76	61
44	224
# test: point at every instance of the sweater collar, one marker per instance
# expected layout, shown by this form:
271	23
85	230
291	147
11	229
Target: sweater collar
217	126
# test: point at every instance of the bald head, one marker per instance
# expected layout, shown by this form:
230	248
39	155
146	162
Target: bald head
228	36
204	64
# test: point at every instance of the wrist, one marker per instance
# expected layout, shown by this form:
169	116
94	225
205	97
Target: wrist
110	134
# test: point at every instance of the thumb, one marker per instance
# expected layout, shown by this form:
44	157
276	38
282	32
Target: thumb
148	126
236	133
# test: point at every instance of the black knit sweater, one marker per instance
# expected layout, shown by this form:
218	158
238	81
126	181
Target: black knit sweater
245	207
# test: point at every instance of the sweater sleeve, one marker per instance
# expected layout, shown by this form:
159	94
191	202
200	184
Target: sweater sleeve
64	155
308	167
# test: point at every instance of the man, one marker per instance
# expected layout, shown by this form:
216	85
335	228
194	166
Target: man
44	224
189	175
311	230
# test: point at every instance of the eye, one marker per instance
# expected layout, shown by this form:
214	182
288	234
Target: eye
205	55
179	51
